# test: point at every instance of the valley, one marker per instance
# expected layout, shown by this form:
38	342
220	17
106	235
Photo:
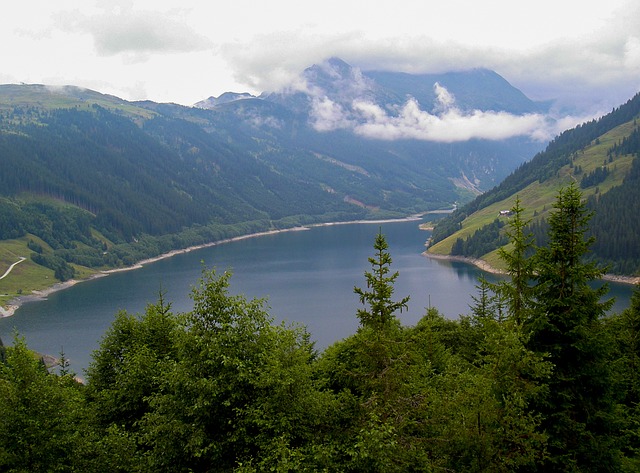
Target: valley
90	182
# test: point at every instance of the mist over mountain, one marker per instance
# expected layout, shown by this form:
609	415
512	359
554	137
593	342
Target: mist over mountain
339	144
483	125
222	99
449	107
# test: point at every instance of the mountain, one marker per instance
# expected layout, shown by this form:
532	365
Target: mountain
602	156
371	119
476	89
89	180
227	97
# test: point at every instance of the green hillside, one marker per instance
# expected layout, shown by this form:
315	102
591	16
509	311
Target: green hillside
89	181
602	156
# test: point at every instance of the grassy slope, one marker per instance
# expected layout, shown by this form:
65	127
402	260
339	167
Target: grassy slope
27	276
538	198
50	98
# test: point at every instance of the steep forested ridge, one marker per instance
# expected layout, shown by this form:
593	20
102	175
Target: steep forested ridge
610	182
96	189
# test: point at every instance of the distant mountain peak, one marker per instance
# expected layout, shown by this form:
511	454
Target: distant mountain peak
226	97
333	67
337	78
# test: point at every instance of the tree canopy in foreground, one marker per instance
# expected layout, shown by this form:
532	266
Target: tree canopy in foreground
535	378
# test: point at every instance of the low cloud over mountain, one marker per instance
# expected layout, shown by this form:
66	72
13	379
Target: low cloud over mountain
341	97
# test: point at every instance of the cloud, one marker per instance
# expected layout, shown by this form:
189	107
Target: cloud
327	115
588	70
555	50
449	126
135	34
446	123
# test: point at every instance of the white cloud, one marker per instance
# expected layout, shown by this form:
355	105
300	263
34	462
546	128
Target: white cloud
134	33
447	123
584	53
444	100
450	126
327	115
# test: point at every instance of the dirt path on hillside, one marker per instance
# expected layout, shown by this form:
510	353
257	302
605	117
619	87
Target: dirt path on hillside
6	273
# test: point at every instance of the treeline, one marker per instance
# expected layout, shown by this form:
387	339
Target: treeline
67	238
482	241
103	189
615	225
534	378
168	175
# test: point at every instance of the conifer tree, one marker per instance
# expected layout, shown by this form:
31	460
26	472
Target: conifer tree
566	325
380	284
624	332
517	292
488	304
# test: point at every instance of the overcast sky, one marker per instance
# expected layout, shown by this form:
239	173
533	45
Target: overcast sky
183	51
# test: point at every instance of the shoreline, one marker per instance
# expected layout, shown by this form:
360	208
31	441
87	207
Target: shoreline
487	268
9	309
14	304
478	263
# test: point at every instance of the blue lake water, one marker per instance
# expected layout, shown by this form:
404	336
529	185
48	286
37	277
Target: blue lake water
307	277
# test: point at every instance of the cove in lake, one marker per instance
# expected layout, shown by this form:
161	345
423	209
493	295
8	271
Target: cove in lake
306	276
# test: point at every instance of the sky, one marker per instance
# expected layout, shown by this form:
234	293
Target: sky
580	54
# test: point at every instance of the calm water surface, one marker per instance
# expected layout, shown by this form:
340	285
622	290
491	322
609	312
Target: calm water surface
306	276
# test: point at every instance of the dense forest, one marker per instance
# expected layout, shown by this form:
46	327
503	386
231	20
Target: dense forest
96	190
534	379
615	224
98	187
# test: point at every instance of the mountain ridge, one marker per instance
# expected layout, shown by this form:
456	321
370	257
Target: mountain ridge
601	155
90	181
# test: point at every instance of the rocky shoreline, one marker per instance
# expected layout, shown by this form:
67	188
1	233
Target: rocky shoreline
13	305
486	267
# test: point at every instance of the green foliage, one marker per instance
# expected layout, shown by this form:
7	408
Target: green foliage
624	331
615	227
534	379
566	323
520	266
595	177
381	308
237	383
125	369
62	270
482	241
42	415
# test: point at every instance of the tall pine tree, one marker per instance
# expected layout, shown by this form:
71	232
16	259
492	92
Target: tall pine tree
565	324
517	292
380	284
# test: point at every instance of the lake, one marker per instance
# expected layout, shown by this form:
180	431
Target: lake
307	276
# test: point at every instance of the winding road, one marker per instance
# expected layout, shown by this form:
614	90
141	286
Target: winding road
6	273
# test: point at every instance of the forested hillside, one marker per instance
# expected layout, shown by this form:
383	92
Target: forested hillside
601	156
89	181
88	186
535	378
